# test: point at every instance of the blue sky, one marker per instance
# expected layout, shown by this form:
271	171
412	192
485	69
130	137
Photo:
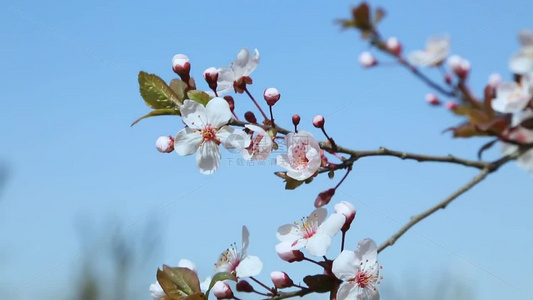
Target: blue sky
70	93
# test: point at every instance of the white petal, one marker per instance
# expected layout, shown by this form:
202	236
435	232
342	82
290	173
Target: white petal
252	63
332	225
283	161
193	114
156	291
419	58
367	252
208	157
346	265
185	263
318	244
288	233
226	77
187	141
204	285
218	112
521	62
245	240
241	62
249	266
347	291
232	138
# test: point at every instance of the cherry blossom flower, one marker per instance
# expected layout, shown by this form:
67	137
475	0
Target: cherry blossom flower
260	145
512	97
206	130
243	65
313	232
522	61
281	280
367	60
436	51
359	270
222	290
303	158
241	264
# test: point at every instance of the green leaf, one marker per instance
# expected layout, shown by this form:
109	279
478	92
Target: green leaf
220	277
178	283
178	87
158	112
156	93
331	174
291	184
199	96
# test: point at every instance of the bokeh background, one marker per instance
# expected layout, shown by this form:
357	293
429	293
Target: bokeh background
89	209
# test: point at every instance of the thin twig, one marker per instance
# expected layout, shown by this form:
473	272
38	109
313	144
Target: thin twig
285	295
489	168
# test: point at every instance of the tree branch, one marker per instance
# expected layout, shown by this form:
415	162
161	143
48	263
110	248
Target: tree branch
489	168
285	295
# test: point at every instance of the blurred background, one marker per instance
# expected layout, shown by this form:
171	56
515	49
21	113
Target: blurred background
89	209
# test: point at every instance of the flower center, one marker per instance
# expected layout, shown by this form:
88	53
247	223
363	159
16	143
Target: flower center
309	226
208	133
230	259
298	152
363	279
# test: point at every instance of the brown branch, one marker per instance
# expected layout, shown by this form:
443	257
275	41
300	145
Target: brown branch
285	295
488	169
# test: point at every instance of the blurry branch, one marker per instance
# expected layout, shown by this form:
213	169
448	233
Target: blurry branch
490	168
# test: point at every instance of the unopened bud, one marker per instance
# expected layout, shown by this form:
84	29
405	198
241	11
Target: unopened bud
288	254
318	121
244	287
165	144
448	78
495	80
459	65
450	105
432	99
181	66
250	117
348	210
324	197
221	290
296	120
271	96
394	46
367	60
281	280
211	77
231	102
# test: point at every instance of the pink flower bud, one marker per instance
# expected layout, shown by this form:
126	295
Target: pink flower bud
211	77
495	80
432	99
348	210
221	290
460	66
324	197
165	144
450	105
181	66
394	46
318	121
288	254
231	102
296	120
448	78
271	96
367	60
244	287
281	280
250	117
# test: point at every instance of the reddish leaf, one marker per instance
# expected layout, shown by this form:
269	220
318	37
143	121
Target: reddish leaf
320	283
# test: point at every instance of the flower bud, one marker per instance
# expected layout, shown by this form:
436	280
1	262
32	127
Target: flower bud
324	197
448	78
221	290
231	102
495	80
450	105
165	144
181	66
281	280
250	117
460	66
394	46
244	287
318	121
367	60
296	120
271	96
432	99
288	254
211	77
348	210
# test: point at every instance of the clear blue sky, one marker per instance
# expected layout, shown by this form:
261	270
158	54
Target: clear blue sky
70	92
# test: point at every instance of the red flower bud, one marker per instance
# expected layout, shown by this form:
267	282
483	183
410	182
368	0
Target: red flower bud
394	46
211	77
296	120
230	101
432	99
271	96
324	197
318	121
181	66
281	280
244	287
250	117
165	144
348	210
222	290
451	105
